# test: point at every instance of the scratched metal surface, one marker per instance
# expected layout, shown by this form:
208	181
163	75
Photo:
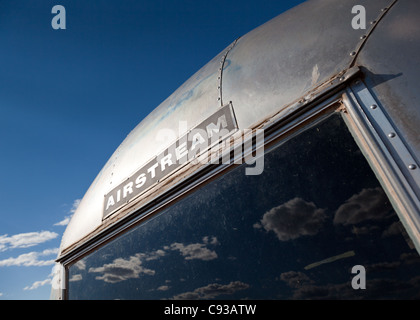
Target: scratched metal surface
391	58
265	71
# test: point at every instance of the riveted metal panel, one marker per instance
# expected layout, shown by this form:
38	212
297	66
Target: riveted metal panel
279	62
391	63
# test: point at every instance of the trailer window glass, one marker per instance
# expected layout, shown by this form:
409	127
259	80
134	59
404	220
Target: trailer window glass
316	224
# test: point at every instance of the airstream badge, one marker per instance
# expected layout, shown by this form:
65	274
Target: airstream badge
215	128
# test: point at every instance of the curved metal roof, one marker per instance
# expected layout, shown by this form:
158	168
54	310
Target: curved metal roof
268	71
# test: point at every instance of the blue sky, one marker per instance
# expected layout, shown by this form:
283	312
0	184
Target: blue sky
69	97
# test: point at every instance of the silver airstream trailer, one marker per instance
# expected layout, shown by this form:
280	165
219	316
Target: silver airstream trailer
286	168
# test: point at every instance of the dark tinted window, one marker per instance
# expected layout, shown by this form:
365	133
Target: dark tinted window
293	232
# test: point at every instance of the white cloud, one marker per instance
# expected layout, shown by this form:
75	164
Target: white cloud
293	219
194	251
25	240
48	280
75	278
67	218
197	251
63	222
368	204
38	284
212	291
212	240
154	255
163	288
30	259
81	265
122	269
75	205
30	239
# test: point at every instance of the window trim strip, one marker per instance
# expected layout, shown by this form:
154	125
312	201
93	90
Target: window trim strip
387	154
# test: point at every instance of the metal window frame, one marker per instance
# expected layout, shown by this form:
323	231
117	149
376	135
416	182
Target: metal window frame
387	153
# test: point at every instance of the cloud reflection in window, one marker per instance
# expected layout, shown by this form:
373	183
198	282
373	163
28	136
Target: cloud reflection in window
293	219
368	204
303	287
212	291
123	269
